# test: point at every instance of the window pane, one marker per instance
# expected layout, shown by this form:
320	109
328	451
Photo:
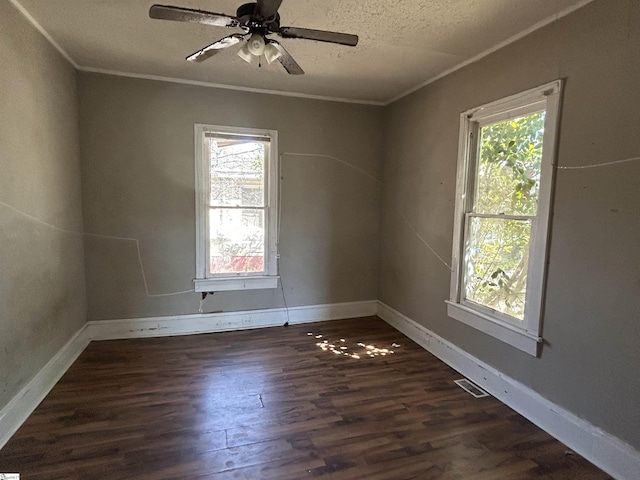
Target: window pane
237	172
497	259
237	240
508	173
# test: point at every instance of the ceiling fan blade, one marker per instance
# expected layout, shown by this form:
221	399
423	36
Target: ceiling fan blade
178	14
319	35
287	61
215	47
265	9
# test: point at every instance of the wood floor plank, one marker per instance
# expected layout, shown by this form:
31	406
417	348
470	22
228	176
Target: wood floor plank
349	399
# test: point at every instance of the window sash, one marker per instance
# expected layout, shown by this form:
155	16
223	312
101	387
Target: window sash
476	203
265	200
501	215
243	179
473	128
504	317
265	189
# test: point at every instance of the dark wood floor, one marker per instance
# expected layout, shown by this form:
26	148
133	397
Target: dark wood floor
274	403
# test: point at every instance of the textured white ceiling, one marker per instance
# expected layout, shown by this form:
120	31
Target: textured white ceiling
403	43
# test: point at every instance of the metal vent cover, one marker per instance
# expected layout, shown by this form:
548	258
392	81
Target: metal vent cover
470	387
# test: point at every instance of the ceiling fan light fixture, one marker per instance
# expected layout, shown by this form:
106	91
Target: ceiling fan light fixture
245	54
271	53
256	44
258	19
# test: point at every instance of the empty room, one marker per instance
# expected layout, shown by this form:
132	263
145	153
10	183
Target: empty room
320	239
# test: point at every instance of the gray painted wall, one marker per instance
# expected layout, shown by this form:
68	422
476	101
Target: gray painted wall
589	363
42	297
137	145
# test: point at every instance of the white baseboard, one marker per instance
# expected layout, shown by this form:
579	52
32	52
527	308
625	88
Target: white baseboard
225	321
602	449
13	415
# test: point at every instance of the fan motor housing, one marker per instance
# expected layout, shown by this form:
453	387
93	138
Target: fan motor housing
245	15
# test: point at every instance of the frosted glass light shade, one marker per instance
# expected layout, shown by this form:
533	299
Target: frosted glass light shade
271	53
256	44
245	54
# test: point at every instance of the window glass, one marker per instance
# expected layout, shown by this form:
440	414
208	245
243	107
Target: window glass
497	259
237	241
509	164
237	172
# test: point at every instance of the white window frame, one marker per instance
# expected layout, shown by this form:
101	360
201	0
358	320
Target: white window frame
204	281
526	334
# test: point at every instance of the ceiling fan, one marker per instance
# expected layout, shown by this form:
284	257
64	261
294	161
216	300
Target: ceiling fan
257	20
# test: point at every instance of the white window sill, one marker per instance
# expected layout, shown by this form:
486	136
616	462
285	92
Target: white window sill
518	338
235	283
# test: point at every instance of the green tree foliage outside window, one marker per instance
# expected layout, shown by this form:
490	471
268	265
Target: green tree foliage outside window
507	184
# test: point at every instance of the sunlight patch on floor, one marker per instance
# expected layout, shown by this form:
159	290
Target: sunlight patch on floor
356	350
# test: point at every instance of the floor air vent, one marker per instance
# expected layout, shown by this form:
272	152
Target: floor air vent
471	388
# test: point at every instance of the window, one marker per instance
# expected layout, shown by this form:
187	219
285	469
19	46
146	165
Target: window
503	202
236	211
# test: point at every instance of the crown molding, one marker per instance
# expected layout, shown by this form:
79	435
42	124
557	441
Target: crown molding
223	86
